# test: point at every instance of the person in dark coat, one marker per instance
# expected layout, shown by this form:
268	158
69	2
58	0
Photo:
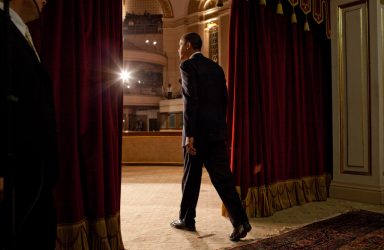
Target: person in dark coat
29	166
205	137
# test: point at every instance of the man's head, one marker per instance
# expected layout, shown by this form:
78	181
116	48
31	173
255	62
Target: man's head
28	10
189	44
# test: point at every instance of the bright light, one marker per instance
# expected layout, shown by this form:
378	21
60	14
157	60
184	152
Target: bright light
155	42
124	75
210	25
147	41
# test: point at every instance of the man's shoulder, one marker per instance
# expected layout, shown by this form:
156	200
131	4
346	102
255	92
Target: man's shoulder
207	61
187	63
199	58
199	62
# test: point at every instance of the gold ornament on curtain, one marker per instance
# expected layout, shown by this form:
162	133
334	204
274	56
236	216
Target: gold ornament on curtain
293	3
305	6
320	11
317	11
293	16
319	8
306	24
279	9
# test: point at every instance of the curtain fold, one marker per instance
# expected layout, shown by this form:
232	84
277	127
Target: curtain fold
279	114
81	42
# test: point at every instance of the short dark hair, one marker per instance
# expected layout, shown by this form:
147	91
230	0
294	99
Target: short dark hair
194	39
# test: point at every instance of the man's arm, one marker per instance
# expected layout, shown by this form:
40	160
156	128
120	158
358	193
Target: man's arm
189	89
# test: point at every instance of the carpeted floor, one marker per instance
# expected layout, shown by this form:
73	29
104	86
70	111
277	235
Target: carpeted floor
353	230
150	199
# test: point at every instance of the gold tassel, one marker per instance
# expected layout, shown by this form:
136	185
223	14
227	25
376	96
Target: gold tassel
263	2
280	9
306	26
293	17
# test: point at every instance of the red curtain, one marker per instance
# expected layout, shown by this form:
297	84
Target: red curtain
81	43
279	86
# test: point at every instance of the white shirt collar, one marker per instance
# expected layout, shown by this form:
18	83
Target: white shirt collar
197	52
16	19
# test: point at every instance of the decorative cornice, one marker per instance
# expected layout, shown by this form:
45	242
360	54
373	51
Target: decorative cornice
167	8
197	17
198	6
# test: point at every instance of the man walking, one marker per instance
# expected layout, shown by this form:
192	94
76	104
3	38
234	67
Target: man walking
205	137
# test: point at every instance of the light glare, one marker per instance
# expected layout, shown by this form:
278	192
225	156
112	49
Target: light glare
124	75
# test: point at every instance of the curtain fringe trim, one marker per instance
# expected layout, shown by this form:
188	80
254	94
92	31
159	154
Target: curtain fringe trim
98	234
320	10
264	201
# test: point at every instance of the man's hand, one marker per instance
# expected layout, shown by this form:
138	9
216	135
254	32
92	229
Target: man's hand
189	146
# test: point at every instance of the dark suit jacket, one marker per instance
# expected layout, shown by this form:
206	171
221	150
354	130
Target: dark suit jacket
205	99
31	136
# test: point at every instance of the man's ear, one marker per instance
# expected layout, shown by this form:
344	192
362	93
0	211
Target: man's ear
189	45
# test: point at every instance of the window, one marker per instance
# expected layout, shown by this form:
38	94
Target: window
171	121
214	43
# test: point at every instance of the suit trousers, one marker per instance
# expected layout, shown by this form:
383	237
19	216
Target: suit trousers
214	156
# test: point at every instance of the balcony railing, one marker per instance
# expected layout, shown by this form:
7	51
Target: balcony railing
143	29
142	24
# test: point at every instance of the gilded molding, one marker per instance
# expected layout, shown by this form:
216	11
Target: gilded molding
198	6
167	8
196	18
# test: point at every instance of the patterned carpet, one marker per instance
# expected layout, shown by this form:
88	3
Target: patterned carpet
353	230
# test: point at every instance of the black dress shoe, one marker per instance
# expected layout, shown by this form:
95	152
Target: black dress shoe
240	231
179	224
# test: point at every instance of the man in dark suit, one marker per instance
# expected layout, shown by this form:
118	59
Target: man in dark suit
205	137
27	136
